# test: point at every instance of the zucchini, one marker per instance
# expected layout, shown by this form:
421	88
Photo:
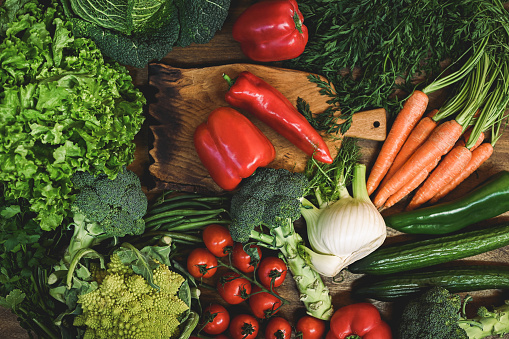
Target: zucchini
423	253
488	200
454	279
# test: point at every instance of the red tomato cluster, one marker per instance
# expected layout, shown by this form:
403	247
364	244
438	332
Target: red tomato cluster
234	289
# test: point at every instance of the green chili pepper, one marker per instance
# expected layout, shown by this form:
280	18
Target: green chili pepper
488	200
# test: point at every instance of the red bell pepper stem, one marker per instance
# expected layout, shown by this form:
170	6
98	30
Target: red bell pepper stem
231	147
265	102
360	320
271	31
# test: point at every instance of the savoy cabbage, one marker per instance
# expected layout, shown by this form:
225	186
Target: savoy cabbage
135	32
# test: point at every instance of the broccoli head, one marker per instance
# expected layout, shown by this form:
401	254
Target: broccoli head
104	208
270	197
434	314
117	205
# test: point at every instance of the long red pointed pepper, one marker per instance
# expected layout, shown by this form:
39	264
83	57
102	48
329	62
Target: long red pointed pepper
231	147
271	31
265	102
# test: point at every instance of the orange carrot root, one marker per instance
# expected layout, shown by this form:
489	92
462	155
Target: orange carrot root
450	167
439	143
479	156
407	118
416	138
410	186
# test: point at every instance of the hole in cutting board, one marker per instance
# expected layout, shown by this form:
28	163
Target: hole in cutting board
376	124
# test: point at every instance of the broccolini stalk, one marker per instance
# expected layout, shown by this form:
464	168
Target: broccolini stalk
313	292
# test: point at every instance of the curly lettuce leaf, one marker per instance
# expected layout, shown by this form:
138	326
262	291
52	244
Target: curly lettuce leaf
63	109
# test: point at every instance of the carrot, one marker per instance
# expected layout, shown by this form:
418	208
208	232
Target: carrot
451	166
411	185
479	156
439	143
407	118
416	138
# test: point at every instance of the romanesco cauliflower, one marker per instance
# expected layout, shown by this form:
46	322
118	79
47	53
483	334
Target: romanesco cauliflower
126	306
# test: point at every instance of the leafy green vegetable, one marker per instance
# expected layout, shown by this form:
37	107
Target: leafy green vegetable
25	255
62	109
370	49
135	32
124	16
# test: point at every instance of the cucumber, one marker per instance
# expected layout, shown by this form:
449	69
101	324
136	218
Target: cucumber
424	253
455	279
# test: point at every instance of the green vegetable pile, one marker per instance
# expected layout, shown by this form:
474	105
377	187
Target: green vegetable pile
136	32
63	109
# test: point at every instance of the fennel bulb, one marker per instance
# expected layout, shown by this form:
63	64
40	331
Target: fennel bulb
343	231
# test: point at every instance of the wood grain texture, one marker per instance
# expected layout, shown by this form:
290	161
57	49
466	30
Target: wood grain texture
185	97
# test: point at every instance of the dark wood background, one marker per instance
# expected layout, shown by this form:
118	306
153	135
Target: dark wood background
224	50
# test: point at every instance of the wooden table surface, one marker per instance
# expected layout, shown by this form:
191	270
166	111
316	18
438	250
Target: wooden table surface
224	50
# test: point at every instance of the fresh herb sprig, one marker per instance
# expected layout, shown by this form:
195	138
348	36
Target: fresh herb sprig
370	49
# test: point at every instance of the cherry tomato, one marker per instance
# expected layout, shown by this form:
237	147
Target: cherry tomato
272	268
201	263
278	328
218	240
233	288
310	327
216	319
244	326
263	304
246	262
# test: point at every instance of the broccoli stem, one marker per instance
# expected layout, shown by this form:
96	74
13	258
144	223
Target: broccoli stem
313	292
487	323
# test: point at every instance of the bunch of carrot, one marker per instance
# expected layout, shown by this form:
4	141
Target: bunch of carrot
434	153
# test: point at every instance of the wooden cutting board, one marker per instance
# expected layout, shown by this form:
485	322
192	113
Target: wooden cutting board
185	97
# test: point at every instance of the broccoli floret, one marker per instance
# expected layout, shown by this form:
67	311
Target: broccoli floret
125	305
433	314
270	197
439	314
105	208
117	203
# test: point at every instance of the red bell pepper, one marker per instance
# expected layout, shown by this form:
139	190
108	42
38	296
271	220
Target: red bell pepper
271	30
265	102
361	320
231	147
